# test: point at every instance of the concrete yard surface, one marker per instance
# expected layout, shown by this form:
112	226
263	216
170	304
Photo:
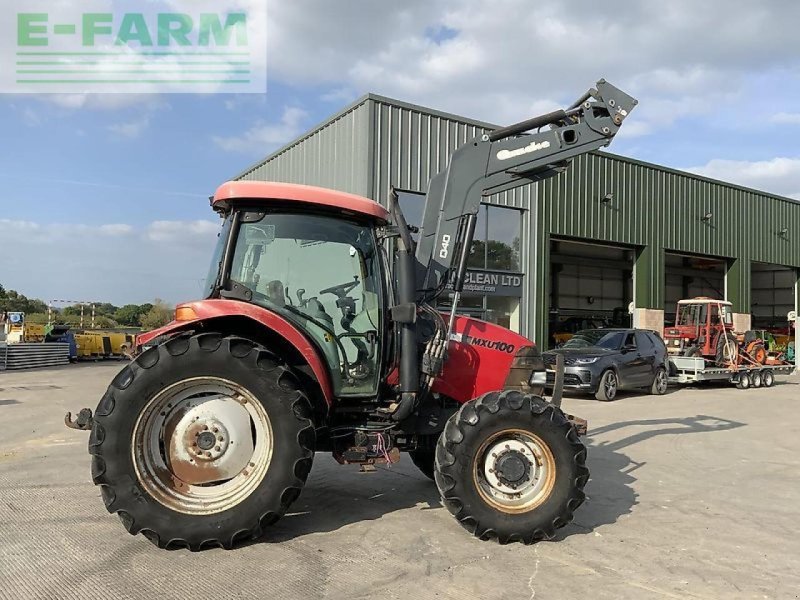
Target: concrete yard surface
695	494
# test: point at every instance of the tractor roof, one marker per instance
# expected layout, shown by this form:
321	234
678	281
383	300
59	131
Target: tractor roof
269	191
704	300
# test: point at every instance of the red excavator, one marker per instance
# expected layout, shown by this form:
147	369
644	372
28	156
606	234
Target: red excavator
317	333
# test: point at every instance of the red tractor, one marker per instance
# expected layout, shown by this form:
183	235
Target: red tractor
317	333
704	327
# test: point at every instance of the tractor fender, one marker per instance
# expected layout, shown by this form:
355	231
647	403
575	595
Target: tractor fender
191	314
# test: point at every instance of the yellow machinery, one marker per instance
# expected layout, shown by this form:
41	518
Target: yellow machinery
102	344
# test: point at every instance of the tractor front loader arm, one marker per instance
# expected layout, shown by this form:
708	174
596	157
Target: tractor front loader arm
502	160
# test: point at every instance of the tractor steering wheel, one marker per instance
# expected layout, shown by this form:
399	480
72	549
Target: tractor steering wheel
342	289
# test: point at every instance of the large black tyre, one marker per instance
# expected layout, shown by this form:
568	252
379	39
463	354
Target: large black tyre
727	350
424	459
183	358
458	468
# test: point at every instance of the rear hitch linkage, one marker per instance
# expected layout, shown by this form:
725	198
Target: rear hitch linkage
83	422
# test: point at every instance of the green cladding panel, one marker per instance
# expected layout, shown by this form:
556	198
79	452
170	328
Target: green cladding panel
378	142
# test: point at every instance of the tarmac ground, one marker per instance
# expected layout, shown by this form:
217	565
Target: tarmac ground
695	494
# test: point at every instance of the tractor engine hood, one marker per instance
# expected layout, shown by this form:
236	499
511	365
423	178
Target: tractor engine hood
480	357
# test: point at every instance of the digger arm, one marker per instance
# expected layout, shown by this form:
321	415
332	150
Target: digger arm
502	160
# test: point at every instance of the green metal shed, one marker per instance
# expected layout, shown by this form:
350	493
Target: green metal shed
651	211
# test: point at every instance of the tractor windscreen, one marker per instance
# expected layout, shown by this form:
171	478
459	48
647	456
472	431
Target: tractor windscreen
215	268
323	274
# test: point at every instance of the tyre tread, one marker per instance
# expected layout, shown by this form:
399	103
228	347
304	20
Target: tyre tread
116	490
469	416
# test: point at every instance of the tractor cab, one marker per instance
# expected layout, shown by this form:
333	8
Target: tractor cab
286	250
703	327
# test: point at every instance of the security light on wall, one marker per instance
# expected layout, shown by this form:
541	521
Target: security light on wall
707	217
607	198
783	231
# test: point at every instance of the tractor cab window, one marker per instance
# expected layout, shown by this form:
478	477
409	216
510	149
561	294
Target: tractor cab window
322	274
691	314
726	314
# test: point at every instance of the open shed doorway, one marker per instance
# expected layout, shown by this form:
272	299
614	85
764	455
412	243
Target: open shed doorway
591	286
688	276
772	298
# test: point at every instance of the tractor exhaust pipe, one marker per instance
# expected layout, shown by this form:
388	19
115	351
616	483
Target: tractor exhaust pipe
406	299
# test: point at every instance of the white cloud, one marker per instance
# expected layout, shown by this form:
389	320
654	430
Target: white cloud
263	137
680	59
116	229
114	262
779	175
180	231
130	129
786	118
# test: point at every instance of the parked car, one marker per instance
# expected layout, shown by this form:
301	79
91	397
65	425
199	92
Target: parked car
604	361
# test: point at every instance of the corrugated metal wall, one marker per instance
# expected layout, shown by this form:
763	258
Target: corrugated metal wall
379	142
335	155
410	145
651	205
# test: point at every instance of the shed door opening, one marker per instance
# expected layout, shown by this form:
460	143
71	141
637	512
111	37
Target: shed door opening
689	277
591	286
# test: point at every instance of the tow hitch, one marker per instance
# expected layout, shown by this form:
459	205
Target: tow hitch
83	422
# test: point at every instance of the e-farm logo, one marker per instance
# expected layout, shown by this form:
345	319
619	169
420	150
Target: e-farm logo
126	46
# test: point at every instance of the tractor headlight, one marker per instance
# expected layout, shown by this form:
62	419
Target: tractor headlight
586	361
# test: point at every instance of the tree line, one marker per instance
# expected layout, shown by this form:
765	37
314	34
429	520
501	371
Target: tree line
107	315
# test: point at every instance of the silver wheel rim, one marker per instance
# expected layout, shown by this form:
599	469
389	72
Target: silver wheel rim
202	445
769	379
525	493
756	380
661	381
610	385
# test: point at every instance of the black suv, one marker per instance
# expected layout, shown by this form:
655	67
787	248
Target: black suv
603	361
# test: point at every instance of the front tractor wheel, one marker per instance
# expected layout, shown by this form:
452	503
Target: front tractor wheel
202	441
510	466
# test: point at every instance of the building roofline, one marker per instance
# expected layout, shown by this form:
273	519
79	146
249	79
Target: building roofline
304	136
371	96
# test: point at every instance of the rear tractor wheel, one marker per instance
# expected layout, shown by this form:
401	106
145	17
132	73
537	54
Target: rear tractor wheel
727	350
511	467
202	441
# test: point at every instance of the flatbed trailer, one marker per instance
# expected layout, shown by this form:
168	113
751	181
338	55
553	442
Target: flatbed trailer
691	369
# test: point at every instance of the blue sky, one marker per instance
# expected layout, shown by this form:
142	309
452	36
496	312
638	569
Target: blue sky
105	196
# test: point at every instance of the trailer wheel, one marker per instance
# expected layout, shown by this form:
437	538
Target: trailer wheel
202	441
511	467
755	378
744	381
607	389
768	378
